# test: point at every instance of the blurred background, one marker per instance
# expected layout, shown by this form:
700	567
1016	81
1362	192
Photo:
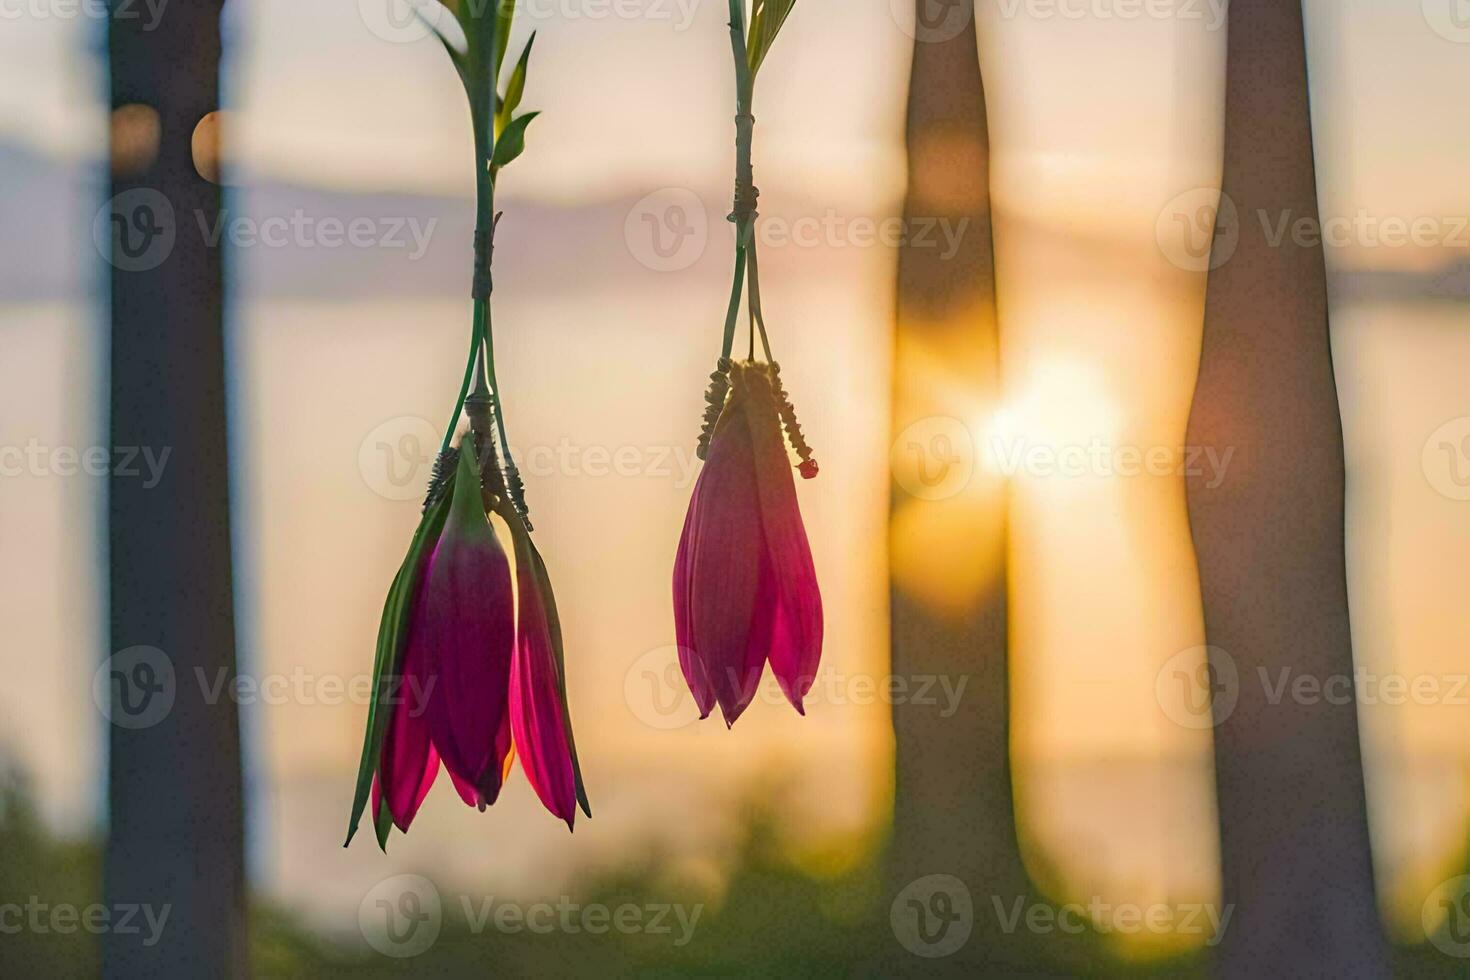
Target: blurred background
764	844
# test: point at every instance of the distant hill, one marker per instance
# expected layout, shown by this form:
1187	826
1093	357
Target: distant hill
47	210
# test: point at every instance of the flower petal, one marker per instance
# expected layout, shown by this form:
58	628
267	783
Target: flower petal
725	570
537	720
409	762
461	639
689	662
796	642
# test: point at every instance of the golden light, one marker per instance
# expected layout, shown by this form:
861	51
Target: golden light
134	139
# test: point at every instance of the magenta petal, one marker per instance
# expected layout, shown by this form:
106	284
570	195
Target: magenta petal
757	643
461	637
725	569
537	722
796	646
409	763
689	662
463	633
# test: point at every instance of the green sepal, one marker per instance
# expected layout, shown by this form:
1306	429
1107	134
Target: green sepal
512	142
526	552
766	22
467	520
392	632
383	824
515	89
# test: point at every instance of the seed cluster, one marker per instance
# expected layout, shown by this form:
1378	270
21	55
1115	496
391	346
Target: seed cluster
808	467
444	466
719	390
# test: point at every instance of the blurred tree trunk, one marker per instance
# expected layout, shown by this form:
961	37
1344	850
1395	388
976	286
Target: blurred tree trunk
1293	825
176	820
953	811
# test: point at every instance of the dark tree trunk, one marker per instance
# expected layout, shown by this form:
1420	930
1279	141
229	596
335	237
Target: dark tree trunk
176	810
1293	825
953	810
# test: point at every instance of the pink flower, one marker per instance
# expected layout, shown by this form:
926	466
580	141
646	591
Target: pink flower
478	670
745	588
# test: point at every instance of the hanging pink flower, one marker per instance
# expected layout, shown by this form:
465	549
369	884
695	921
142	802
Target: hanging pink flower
745	588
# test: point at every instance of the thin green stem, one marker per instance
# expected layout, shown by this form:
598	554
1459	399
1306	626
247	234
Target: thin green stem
464	388
757	317
732	315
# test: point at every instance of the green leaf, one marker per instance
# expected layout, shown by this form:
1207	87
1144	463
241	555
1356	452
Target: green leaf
504	14
515	89
512	142
766	21
392	631
526	552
